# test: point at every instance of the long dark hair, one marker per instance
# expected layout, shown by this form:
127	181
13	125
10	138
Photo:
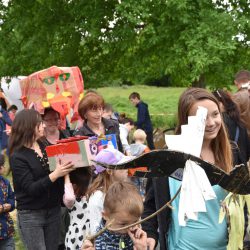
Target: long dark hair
3	103
220	145
23	130
81	177
230	106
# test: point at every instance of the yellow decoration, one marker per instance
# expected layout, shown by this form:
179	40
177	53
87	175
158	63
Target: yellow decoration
81	96
233	207
50	95
65	94
45	104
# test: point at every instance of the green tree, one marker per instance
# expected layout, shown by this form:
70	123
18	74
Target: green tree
193	41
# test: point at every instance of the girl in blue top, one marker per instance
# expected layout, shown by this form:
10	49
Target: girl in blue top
206	233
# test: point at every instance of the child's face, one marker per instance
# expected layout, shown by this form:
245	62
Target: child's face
120	175
120	219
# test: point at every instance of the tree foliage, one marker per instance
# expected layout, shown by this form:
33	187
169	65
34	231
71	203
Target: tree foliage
192	41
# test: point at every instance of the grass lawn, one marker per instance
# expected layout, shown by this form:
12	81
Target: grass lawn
162	102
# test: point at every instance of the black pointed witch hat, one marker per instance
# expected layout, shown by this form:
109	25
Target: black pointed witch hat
165	162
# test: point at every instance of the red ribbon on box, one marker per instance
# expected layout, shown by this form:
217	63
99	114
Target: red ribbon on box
70	139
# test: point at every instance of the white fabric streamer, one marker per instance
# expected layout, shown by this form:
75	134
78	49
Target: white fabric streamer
195	190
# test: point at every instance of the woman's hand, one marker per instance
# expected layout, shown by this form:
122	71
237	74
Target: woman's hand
87	245
139	238
61	170
151	243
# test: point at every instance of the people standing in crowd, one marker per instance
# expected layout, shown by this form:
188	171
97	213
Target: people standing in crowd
231	116
123	206
7	204
75	187
12	112
143	118
99	187
52	133
206	232
4	120
109	113
125	126
38	191
138	148
91	110
242	96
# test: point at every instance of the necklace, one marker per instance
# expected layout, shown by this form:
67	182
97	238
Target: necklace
42	158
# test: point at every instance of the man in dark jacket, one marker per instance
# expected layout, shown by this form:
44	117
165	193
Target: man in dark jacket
143	118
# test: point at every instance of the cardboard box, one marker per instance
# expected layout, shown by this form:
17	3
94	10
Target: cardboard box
80	150
76	151
101	142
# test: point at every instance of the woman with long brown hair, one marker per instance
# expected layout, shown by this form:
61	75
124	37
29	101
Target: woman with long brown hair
205	233
38	191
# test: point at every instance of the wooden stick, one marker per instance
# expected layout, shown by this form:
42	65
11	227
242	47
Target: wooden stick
94	236
108	226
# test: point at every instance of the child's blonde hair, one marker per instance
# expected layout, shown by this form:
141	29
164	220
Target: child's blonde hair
123	194
140	135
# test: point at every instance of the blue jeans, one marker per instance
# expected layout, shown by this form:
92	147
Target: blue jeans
40	229
7	244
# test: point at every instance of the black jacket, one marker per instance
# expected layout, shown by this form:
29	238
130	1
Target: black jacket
157	195
143	117
33	187
242	140
111	127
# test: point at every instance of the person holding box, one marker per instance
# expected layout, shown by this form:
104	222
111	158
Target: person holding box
38	191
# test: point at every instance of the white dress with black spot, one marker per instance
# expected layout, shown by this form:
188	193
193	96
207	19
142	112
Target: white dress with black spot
79	224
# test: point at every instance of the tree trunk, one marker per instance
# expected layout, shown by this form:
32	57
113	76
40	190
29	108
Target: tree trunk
200	83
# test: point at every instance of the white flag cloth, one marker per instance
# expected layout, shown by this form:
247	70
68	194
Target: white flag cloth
195	190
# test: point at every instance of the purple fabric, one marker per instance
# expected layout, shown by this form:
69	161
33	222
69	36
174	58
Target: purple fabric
108	156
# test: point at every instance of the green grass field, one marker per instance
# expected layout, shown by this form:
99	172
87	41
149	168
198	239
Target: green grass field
162	102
